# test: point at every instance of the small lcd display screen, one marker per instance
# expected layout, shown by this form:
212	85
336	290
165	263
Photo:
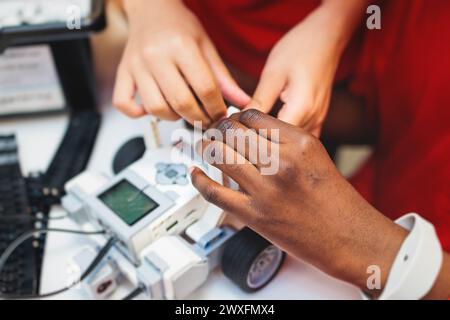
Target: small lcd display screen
128	202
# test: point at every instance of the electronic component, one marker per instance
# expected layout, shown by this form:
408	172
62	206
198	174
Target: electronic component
172	269
138	206
169	235
103	280
128	202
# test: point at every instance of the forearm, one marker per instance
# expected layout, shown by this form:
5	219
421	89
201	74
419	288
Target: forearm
343	17
137	6
370	241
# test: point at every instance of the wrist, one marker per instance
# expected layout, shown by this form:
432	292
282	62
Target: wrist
368	257
132	7
341	18
441	288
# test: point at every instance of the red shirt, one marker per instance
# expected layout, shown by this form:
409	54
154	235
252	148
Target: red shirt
404	75
244	31
403	72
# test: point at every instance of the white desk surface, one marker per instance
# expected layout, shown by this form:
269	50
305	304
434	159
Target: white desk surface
38	140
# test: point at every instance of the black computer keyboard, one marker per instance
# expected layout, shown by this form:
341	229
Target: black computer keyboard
19	275
25	202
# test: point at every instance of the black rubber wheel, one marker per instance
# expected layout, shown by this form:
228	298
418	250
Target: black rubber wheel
250	261
128	153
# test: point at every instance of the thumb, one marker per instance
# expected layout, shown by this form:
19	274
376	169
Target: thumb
298	114
316	132
228	86
267	92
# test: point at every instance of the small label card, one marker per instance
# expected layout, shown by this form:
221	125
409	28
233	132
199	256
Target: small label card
29	82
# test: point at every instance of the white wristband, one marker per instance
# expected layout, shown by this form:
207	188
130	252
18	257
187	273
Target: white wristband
418	261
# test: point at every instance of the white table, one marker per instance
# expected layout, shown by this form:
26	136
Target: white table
38	140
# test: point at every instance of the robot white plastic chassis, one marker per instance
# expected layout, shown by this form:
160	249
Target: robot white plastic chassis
167	234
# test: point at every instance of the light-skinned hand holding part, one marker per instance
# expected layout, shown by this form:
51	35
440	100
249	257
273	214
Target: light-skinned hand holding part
173	65
301	67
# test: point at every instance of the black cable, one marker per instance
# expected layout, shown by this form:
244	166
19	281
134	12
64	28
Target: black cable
133	294
31	233
11	248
